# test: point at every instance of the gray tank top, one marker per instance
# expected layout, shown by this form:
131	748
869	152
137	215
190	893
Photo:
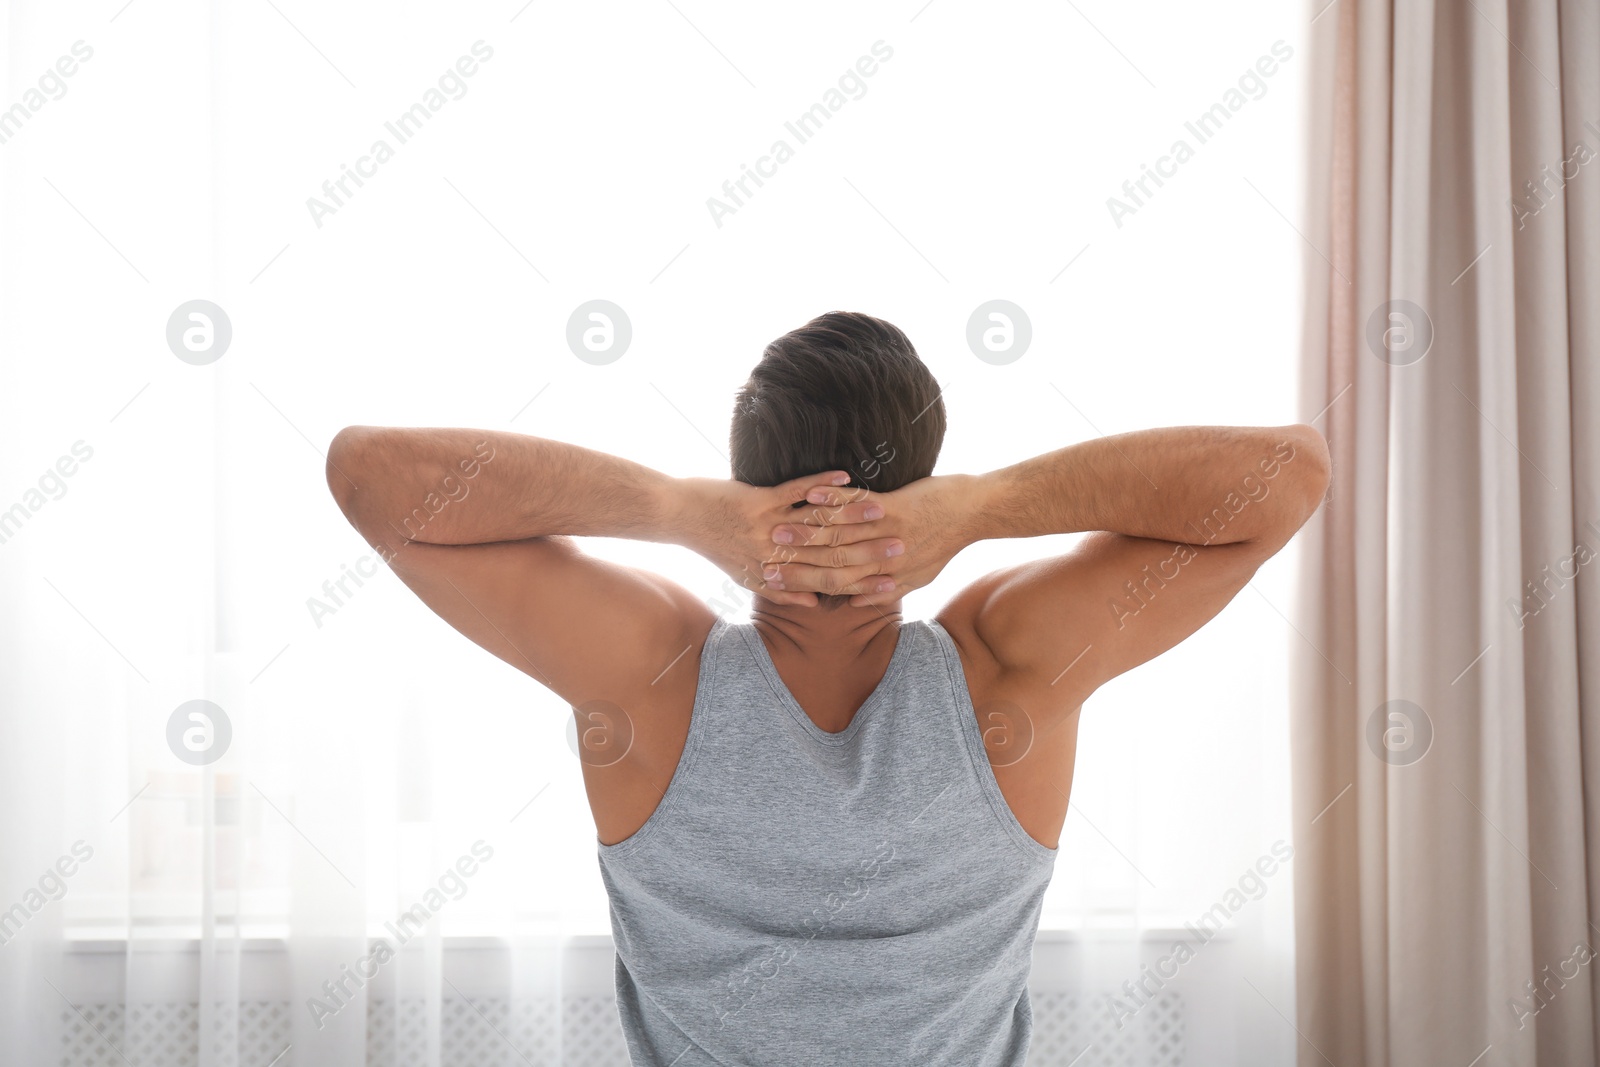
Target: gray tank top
804	898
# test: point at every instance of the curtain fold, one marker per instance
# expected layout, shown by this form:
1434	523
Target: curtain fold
1442	733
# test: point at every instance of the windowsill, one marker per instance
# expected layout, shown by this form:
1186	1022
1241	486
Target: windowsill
93	940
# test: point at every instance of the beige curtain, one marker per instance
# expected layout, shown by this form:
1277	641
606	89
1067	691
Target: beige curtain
1446	705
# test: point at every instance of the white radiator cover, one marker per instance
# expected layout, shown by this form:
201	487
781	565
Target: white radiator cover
481	1025
480	1034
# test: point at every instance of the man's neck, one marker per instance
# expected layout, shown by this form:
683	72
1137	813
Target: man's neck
836	634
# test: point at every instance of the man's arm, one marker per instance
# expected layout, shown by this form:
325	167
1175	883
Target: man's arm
1181	520
474	521
478	523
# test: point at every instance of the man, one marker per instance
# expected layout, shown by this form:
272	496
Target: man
826	832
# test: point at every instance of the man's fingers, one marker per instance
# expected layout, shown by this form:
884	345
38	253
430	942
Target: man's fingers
794	577
844	554
830	496
795	489
863	510
824	500
753	581
799	535
778	595
801	524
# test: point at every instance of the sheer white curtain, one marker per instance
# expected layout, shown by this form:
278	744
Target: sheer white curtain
374	759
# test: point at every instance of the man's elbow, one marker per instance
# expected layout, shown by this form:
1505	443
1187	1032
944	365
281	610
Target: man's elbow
1306	472
344	466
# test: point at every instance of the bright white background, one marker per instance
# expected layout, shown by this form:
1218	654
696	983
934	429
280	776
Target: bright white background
371	750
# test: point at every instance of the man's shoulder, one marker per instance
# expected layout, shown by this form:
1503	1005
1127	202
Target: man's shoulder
999	632
961	617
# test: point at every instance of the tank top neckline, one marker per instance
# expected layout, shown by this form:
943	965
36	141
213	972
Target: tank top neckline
769	670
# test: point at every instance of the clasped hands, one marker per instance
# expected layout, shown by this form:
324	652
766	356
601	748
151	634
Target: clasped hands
815	534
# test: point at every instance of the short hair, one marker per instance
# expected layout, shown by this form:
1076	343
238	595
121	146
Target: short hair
846	391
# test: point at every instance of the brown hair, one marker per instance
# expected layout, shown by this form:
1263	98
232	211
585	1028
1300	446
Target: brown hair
845	391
